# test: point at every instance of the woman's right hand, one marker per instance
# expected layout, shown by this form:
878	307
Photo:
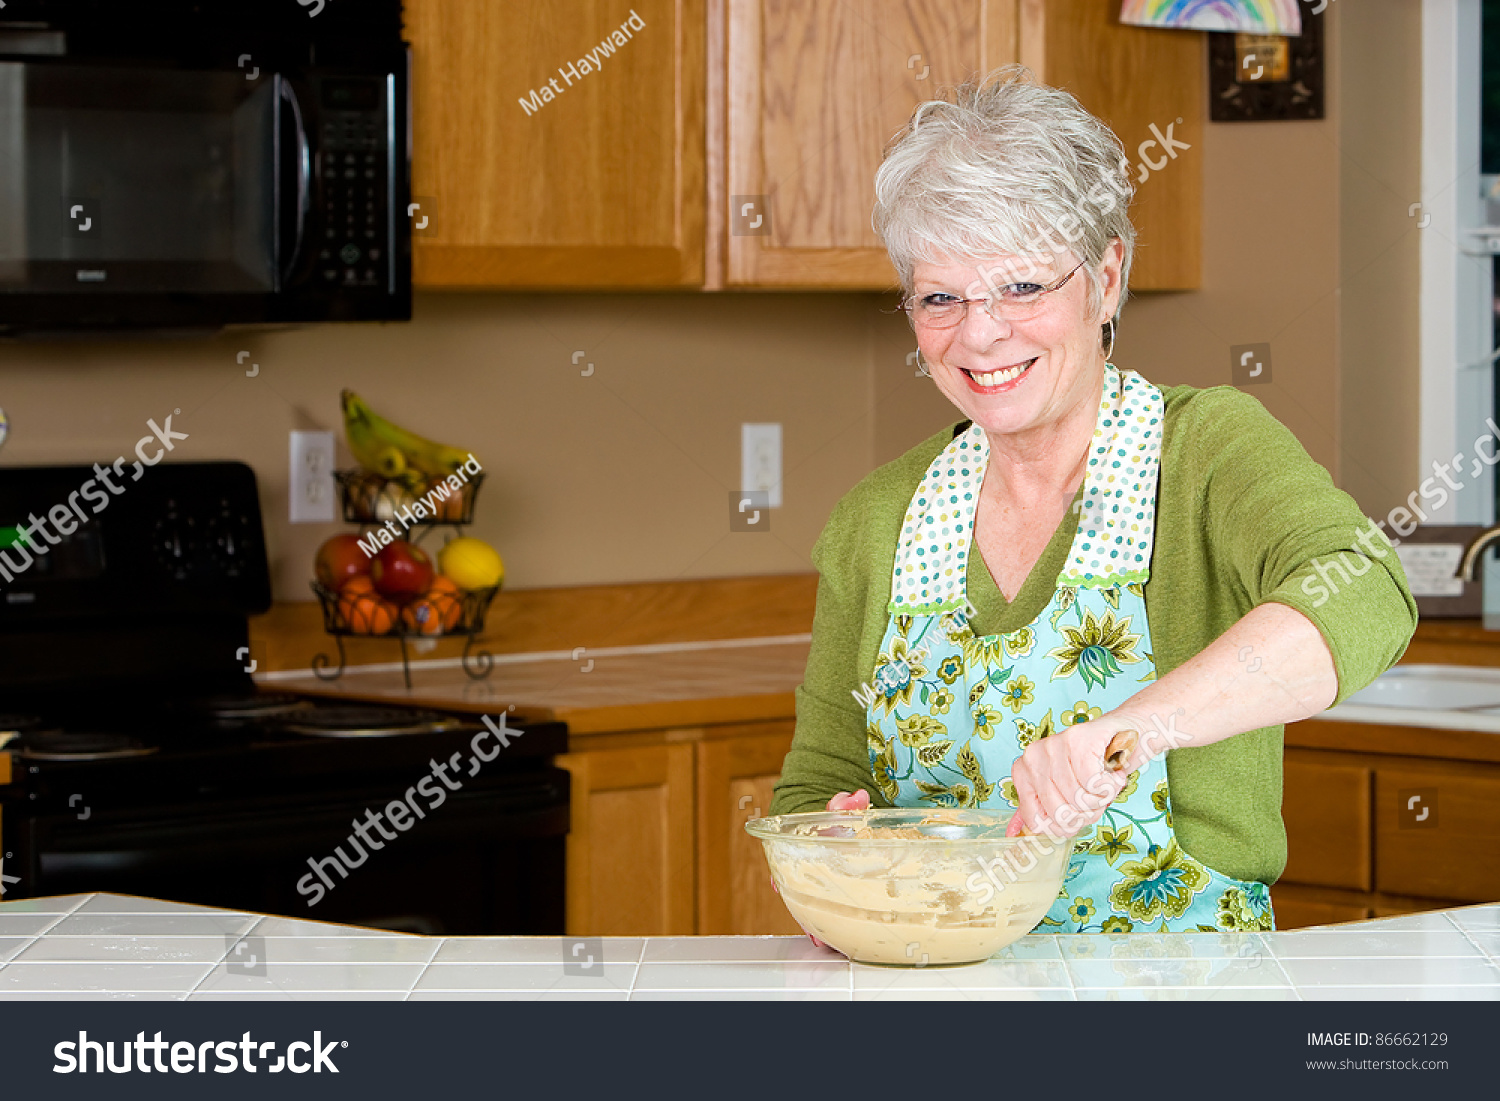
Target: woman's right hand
842	801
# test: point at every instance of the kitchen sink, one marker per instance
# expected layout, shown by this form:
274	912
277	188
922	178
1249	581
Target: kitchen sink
1453	697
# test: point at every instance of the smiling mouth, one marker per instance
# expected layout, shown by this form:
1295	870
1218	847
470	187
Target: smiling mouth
989	379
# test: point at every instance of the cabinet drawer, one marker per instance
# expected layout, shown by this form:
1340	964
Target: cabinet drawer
1326	808
1437	832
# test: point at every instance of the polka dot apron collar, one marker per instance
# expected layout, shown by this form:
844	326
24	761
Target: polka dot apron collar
1116	518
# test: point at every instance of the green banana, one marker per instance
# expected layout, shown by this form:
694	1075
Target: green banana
388	449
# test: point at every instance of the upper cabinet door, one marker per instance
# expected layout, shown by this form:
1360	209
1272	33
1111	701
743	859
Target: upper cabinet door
557	145
815	90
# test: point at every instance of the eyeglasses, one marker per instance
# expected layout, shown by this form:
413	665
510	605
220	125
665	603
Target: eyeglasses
1012	302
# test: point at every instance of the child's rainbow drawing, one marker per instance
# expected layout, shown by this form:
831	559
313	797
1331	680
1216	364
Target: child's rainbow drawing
1249	16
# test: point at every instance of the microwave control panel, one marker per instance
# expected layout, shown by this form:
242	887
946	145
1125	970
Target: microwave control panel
355	152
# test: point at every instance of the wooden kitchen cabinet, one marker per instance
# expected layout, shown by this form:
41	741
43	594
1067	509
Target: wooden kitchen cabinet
630	846
736	776
817	88
1300	907
658	845
1358	842
600	185
652	170
1142	81
1437	831
814	91
1326	808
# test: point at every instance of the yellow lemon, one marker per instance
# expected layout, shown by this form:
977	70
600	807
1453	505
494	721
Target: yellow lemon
471	563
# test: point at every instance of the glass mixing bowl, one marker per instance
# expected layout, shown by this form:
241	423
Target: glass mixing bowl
910	886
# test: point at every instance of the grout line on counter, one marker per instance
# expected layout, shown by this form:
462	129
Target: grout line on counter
557	655
426	966
36	939
635	976
1469	936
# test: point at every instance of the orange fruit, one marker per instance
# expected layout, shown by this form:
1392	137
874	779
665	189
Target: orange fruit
422	617
438	610
359	583
450	607
367	613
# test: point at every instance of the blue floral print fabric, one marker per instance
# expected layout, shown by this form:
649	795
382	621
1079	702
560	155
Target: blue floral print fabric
951	711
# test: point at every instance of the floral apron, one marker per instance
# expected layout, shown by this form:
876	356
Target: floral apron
949	712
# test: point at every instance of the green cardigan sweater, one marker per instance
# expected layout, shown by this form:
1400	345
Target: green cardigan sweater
1242	511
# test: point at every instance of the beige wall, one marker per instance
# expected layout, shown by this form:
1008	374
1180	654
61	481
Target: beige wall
1380	136
1270	275
625	475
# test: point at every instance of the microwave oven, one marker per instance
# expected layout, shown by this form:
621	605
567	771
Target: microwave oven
185	165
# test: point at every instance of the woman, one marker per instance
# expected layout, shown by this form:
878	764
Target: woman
1084	553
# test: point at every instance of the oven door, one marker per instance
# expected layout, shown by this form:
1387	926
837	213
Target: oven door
489	860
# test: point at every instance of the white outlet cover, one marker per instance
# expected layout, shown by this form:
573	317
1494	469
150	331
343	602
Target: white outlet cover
311	485
760	460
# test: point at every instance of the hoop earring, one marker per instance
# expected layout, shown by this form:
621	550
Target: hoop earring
1111	349
922	366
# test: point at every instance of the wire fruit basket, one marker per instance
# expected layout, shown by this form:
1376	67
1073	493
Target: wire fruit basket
411	499
435	615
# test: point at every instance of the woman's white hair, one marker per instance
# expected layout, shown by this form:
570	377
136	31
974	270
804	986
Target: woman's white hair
1008	167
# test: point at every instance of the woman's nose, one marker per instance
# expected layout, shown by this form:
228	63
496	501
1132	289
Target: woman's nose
982	323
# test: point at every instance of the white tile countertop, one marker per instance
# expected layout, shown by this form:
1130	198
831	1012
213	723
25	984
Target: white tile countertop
117	947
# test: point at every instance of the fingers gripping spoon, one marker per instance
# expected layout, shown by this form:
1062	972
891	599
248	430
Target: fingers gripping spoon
1116	753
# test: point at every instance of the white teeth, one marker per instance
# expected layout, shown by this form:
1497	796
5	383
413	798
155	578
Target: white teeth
995	378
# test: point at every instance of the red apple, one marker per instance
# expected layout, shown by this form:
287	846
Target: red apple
401	571
339	559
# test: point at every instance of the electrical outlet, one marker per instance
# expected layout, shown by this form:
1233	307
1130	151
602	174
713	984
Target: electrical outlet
312	487
760	460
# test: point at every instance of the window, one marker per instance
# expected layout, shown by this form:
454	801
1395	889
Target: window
1460	79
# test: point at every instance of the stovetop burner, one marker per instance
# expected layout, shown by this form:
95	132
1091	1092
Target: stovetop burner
235	706
58	745
355	721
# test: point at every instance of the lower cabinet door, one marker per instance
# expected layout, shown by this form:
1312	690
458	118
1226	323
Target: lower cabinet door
735	779
630	849
1437	832
1326	808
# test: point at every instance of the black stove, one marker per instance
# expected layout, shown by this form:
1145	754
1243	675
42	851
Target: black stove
237	706
68	745
147	761
368	721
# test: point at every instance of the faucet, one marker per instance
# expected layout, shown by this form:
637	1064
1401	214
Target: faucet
1476	548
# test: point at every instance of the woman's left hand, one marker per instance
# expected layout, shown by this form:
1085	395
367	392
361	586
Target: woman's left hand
1062	782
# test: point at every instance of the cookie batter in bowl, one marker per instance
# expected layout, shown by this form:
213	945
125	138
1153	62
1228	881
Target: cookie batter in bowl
911	887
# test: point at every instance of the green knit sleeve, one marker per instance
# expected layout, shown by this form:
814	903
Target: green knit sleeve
828	753
1288	535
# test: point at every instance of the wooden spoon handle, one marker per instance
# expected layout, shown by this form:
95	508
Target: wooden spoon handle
1120	747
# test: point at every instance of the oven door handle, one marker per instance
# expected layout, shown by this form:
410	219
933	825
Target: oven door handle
304	174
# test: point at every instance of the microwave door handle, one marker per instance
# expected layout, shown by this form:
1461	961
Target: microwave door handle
304	174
